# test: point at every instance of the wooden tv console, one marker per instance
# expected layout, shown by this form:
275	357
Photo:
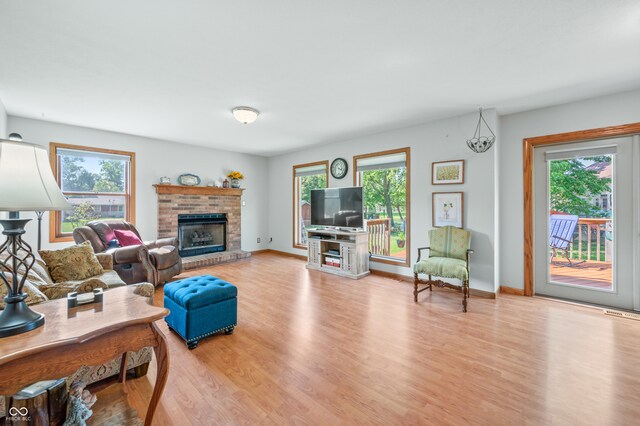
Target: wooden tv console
338	252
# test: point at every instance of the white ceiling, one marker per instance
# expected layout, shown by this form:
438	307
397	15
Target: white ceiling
318	71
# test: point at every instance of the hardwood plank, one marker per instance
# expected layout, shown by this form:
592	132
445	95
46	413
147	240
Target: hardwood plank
313	348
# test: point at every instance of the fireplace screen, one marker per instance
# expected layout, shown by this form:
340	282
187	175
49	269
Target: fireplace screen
202	233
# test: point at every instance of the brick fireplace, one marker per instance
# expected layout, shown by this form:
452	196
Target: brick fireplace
176	201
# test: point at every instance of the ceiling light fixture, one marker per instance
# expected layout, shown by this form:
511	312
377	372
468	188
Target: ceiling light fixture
245	115
480	143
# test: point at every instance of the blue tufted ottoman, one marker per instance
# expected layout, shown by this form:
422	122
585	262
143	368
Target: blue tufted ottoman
201	306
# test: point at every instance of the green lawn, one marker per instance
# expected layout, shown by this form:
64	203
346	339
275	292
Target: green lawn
67	227
394	245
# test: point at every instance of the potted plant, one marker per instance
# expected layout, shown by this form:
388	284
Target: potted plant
235	177
401	241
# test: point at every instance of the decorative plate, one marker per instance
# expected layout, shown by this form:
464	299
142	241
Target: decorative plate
189	179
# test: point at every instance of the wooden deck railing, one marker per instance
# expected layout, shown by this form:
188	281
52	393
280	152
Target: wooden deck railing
591	240
379	236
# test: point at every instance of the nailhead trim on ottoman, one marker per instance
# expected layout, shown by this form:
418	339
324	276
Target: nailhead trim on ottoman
201	306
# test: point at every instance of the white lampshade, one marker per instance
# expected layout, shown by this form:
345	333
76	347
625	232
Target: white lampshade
26	179
245	115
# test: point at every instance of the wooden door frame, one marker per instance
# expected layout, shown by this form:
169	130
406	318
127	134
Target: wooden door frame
528	145
296	207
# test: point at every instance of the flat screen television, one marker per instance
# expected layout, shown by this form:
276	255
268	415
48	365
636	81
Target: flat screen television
339	207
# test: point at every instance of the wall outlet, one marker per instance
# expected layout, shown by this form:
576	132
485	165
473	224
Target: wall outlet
258	240
270	239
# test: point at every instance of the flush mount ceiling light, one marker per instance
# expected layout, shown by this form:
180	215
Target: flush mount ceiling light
479	143
245	115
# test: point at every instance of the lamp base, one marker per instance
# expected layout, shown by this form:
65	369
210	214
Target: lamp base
18	318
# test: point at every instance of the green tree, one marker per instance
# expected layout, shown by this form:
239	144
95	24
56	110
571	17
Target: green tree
307	183
572	186
386	189
111	177
75	177
82	213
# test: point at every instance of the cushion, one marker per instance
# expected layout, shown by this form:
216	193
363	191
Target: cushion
34	296
127	238
103	230
111	279
444	267
72	263
449	241
38	274
59	290
196	292
164	257
40	270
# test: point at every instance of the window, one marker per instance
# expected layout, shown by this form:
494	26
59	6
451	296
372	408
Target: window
305	178
384	177
99	184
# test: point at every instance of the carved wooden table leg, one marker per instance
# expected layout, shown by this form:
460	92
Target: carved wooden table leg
122	376
162	360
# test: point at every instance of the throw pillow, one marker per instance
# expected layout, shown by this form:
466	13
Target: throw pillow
38	274
73	263
127	238
34	296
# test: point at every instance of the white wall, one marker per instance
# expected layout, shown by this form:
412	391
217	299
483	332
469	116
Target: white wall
3	121
604	111
437	141
156	158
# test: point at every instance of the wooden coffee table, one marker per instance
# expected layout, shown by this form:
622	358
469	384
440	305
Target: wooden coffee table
86	335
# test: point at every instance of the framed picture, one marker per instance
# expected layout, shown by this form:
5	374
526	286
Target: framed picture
448	209
447	172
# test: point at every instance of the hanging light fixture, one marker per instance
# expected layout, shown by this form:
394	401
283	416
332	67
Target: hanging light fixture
479	143
245	115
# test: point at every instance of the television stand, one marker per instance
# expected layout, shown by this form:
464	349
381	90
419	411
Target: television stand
343	253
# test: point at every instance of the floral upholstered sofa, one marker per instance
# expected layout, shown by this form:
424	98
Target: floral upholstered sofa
41	288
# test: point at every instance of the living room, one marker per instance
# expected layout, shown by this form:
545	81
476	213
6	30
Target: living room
337	90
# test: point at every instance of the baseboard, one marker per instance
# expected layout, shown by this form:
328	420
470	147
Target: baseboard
282	253
482	293
260	251
391	275
406	278
511	290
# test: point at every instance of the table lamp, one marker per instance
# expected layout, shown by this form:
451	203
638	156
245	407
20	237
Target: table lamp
26	184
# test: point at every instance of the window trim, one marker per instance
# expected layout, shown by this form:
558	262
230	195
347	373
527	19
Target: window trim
55	235
295	188
407	151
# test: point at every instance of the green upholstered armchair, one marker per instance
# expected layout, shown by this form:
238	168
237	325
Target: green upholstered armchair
448	258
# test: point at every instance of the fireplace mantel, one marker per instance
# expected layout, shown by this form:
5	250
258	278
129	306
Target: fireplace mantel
197	190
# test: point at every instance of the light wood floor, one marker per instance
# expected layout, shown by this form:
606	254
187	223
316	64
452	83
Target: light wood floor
588	274
312	348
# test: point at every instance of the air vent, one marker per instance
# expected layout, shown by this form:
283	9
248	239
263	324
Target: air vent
619	314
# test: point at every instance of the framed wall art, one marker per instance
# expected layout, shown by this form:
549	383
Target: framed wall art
447	209
447	172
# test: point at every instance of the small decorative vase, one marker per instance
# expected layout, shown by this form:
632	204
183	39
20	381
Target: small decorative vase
235	183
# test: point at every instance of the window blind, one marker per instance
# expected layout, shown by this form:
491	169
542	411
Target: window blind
579	153
390	161
316	169
65	152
